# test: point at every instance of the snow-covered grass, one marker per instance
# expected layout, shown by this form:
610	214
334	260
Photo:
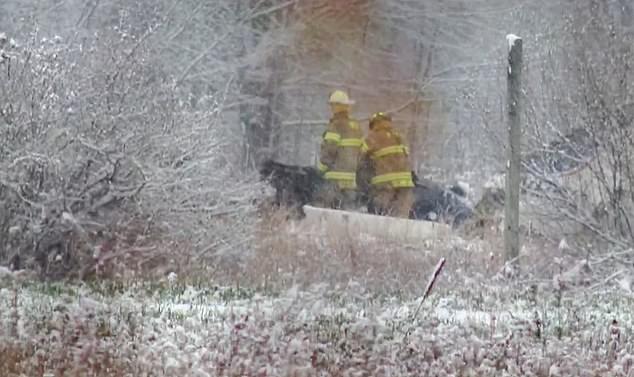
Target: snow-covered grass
170	328
307	305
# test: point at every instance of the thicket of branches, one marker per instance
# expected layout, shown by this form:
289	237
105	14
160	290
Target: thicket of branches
103	162
591	97
578	114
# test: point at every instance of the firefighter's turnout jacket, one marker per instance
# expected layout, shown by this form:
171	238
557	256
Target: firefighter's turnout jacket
392	182
389	156
340	151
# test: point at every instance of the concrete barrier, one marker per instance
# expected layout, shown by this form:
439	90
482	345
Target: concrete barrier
353	223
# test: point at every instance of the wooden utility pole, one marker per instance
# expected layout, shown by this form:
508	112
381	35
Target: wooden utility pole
512	210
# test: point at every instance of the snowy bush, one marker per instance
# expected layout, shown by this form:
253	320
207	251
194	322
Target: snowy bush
213	331
102	162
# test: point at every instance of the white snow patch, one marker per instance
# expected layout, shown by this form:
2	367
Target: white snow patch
5	273
218	311
511	38
69	218
172	277
466	187
563	244
626	284
496	181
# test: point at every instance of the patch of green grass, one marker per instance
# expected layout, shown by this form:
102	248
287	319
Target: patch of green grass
54	289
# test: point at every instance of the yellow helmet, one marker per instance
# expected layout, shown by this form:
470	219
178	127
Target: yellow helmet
379	116
340	97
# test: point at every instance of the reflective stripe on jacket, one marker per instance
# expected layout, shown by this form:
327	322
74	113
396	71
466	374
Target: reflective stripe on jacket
340	151
390	157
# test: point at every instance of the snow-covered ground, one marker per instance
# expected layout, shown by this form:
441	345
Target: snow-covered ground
170	329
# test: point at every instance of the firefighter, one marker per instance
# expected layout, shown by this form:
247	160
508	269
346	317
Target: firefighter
392	182
339	155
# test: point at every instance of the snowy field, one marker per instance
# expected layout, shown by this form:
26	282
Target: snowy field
170	329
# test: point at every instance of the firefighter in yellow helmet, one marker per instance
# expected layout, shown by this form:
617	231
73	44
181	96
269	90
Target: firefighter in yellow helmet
339	155
392	182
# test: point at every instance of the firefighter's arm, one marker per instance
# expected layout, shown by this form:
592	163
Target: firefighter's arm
328	153
368	147
400	141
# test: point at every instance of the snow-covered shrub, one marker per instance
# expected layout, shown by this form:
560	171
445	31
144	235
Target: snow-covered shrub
102	161
312	332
